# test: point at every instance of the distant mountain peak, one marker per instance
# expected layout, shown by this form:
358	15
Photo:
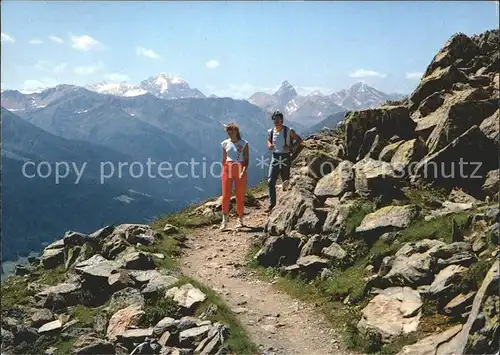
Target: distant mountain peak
285	93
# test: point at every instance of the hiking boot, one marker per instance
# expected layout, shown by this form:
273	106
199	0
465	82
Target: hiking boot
239	224
223	226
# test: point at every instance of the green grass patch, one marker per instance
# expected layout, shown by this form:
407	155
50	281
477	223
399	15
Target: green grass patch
52	277
186	219
85	315
15	292
169	246
438	228
357	213
156	310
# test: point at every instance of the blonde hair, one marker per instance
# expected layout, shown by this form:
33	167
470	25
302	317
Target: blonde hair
234	126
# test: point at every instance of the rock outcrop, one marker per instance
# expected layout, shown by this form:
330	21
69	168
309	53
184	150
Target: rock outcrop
407	207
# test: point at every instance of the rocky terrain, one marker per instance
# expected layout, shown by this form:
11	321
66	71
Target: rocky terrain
386	237
396	211
109	292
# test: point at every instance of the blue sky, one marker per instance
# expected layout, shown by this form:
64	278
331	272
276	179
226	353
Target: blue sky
232	48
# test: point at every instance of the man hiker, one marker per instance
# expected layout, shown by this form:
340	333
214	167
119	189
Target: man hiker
281	141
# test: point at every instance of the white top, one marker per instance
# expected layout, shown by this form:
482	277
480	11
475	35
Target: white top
234	150
279	141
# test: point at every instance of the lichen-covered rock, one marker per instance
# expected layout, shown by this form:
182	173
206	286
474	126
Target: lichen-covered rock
394	312
436	344
491	184
89	344
388	151
387	219
407	153
445	280
374	178
337	182
52	258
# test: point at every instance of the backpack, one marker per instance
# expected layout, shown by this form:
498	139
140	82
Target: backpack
287	136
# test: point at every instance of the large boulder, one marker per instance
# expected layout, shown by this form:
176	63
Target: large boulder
374	178
415	264
439	79
296	210
282	250
461	163
97	268
337	182
388	219
459	48
52	258
394	312
123	320
407	153
389	121
335	225
124	298
388	151
315	245
480	333
310	266
67	293
461	116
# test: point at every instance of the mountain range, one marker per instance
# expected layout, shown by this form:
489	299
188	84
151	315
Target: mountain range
161	119
311	109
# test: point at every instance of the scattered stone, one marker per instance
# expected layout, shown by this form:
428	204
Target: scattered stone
315	245
311	265
120	280
97	268
445	280
124	298
186	296
436	344
170	229
41	316
491	184
89	344
394	312
458	304
122	320
50	327
334	252
135	335
190	337
138	261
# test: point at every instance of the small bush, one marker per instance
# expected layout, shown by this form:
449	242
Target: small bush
154	311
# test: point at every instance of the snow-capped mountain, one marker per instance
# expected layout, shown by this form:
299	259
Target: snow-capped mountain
163	86
121	89
361	96
285	93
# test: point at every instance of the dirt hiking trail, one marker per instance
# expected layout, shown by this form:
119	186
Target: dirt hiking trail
276	322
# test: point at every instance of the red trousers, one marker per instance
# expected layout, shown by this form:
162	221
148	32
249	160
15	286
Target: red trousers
231	172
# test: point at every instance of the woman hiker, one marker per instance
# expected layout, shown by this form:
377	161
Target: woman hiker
235	158
279	142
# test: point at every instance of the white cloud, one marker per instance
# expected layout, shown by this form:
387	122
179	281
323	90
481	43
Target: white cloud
414	75
85	43
6	38
88	69
34	85
117	77
363	73
60	68
35	41
56	39
212	64
147	53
